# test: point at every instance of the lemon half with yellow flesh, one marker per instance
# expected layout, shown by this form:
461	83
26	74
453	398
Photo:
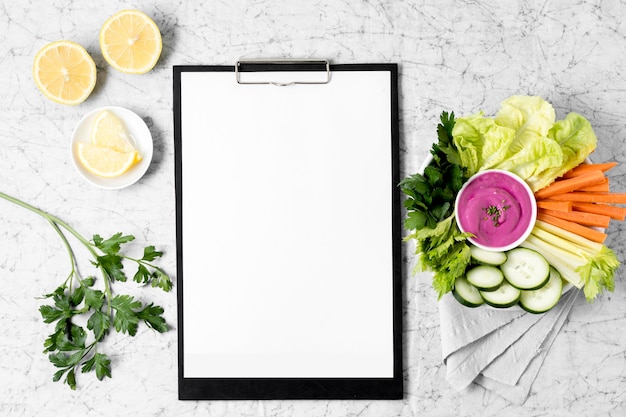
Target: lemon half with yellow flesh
131	42
64	72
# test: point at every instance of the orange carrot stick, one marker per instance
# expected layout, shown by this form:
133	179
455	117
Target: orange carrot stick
580	217
555	205
582	168
609	198
584	231
602	187
570	184
614	212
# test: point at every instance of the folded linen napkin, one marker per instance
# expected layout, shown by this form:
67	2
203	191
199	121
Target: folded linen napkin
501	350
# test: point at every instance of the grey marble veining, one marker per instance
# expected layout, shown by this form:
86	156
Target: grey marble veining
463	56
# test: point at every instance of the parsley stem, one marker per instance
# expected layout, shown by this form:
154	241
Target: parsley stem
50	218
56	222
69	251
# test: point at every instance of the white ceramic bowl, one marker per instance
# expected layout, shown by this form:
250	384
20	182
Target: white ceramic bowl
138	131
493	185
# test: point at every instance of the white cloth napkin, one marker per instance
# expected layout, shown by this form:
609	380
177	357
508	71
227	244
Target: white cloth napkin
501	350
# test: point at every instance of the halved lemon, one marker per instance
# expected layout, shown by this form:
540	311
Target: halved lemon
131	42
109	131
64	72
105	162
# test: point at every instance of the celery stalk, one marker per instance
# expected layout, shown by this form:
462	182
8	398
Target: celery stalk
564	244
585	264
563	261
572	237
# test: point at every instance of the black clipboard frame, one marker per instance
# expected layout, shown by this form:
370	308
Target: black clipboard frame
294	388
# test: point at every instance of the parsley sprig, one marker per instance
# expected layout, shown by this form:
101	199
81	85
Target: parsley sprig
495	212
441	246
71	348
430	196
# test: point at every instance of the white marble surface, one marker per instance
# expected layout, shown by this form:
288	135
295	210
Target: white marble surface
453	55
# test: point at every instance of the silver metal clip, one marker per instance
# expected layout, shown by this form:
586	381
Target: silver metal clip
306	67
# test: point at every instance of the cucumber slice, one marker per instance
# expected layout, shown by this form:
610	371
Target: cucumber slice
505	296
485	277
546	297
487	257
526	269
466	294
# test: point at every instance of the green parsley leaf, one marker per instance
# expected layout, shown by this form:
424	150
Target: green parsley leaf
113	266
162	280
152	316
103	366
113	244
70	379
93	298
51	314
99	323
150	254
101	363
142	275
125	319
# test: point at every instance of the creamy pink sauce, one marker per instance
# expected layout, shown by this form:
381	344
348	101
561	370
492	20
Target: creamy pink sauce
495	208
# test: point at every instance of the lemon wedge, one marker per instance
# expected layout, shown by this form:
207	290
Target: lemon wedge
109	131
105	162
131	42
64	72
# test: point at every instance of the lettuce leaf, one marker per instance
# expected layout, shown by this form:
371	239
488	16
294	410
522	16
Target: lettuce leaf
525	139
531	118
532	152
481	143
577	140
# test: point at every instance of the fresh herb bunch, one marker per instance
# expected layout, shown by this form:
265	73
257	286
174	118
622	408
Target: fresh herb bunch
441	246
73	349
430	196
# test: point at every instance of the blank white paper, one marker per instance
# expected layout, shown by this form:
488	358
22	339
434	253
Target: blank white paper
287	227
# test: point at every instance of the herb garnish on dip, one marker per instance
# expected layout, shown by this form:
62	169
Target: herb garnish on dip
498	208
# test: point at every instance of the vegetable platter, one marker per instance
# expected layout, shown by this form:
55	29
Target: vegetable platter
573	205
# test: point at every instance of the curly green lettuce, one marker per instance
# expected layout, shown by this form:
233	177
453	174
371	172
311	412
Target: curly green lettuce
524	138
444	251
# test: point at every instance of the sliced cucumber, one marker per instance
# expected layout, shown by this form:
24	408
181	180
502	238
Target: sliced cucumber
505	296
466	294
526	269
485	277
546	297
487	257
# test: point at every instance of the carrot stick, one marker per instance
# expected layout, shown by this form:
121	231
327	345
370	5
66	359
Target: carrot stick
582	168
555	205
584	231
602	187
570	184
614	212
609	198
580	217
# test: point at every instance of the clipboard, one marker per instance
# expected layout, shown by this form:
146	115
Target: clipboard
288	231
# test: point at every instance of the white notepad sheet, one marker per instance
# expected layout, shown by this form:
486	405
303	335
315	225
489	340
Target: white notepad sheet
287	227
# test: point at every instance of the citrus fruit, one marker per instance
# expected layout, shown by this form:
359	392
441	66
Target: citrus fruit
64	72
105	162
131	42
109	131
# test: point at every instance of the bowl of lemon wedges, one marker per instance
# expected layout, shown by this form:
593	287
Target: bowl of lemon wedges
111	147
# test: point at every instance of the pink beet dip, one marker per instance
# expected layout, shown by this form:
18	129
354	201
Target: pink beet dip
498	208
